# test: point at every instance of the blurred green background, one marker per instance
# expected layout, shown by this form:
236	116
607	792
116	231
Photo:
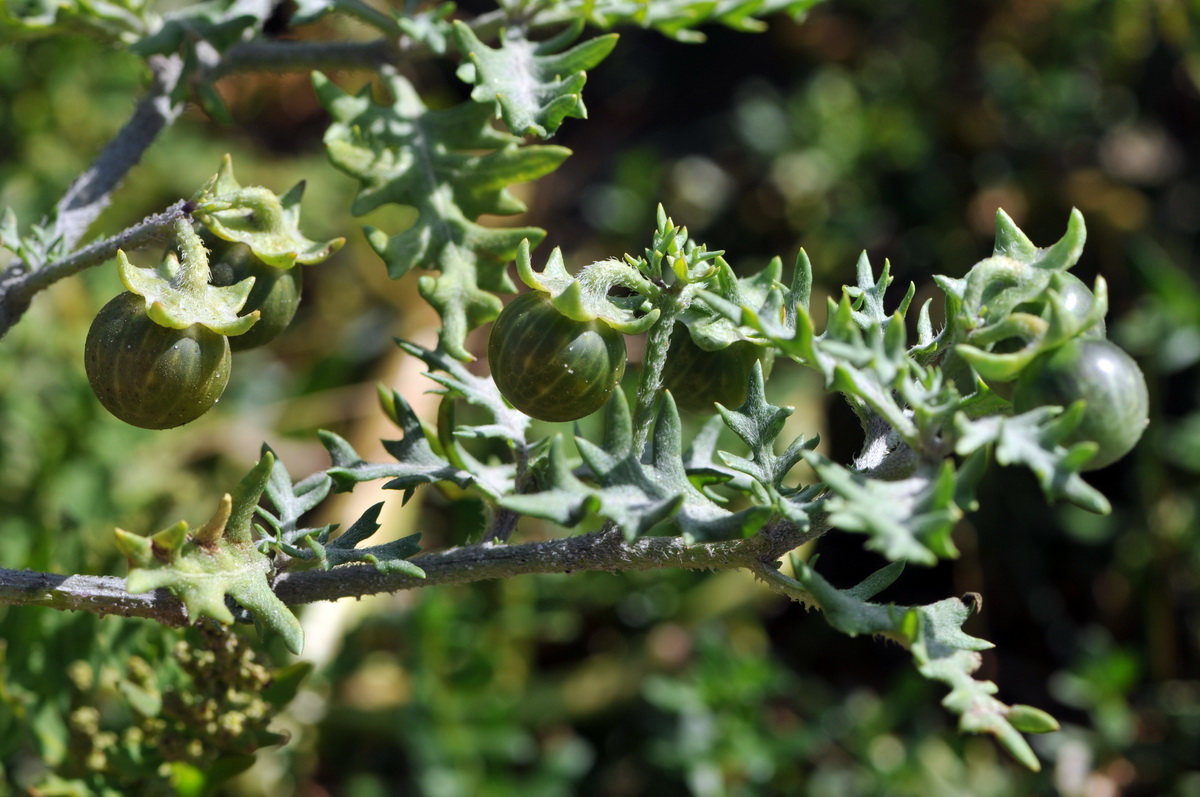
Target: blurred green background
896	128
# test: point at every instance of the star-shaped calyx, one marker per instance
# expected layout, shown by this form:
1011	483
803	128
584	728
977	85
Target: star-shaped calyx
255	216
177	292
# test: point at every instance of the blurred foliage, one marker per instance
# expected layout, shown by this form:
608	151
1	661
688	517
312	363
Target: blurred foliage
183	725
897	127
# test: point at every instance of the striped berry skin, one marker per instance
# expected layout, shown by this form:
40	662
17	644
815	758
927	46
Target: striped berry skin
551	367
153	376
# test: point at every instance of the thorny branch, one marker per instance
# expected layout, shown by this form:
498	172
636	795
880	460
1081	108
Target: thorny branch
599	551
84	201
91	192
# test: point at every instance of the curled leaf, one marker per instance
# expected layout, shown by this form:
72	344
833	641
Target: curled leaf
255	216
591	295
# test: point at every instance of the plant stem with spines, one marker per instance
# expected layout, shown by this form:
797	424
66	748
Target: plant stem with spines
658	342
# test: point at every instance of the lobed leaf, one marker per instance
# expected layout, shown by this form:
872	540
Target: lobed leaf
862	353
759	425
118	20
308	11
680	18
199	33
427	457
220	559
451	167
508	424
700	461
920	510
41	246
713	329
1033	439
633	494
534	85
291	502
416	461
941	650
218	23
388	557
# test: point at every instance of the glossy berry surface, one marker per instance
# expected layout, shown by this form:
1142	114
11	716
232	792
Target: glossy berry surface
551	367
1077	299
149	375
1100	373
276	291
698	379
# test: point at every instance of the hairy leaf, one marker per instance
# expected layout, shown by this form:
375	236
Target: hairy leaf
1033	439
291	502
534	84
562	497
41	246
700	462
388	557
219	559
709	315
868	294
311	10
907	519
120	20
636	495
417	462
199	32
508	424
759	424
862	353
430	25
452	167
680	18
426	457
941	650
218	23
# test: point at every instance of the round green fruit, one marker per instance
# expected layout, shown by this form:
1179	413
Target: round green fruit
1104	376
551	367
699	379
149	375
276	291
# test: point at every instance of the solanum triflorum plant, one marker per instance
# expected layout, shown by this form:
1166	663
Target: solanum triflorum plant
928	408
931	423
1019	371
